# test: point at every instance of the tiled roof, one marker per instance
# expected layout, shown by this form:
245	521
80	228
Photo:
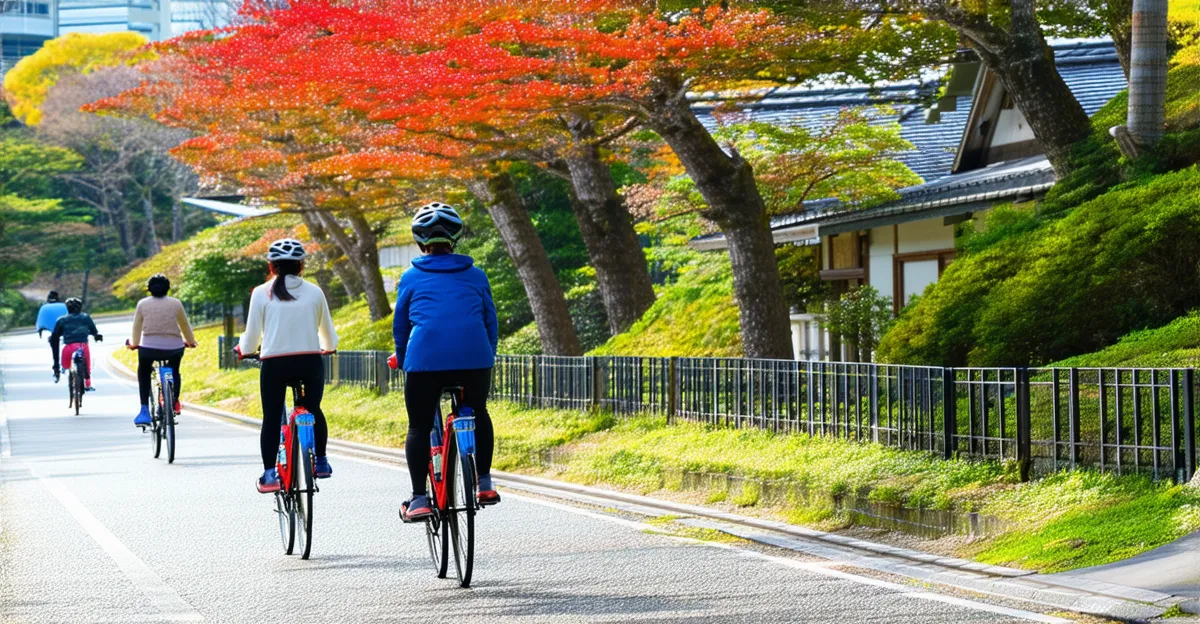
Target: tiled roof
1089	67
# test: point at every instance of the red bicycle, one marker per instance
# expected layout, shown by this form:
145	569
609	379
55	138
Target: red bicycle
295	464
454	488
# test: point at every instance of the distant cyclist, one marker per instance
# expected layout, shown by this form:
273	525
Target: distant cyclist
73	331
446	334
50	312
290	319
160	333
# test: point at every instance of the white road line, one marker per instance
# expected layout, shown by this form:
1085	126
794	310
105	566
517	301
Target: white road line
171	607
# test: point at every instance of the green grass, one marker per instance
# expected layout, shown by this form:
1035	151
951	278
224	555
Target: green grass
1176	344
695	316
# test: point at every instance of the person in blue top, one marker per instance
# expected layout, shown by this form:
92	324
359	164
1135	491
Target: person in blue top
47	316
446	333
50	312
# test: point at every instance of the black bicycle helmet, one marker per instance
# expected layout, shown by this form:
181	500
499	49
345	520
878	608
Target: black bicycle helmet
436	222
52	297
158	285
74	305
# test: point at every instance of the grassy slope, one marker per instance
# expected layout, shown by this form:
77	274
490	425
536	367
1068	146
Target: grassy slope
695	316
1174	344
1060	522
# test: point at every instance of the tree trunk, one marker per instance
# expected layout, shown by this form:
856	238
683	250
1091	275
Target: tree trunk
1118	15
1056	118
152	245
372	276
334	255
734	203
1025	66
1148	73
120	220
607	229
347	245
176	221
555	329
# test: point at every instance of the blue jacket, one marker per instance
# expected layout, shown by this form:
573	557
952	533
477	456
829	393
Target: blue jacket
49	313
445	318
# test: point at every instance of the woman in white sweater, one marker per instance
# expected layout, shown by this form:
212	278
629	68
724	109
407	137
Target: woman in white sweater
290	326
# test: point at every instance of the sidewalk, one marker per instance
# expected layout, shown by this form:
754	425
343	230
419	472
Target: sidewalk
1170	569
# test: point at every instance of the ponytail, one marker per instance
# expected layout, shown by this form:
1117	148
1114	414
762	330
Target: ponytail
281	269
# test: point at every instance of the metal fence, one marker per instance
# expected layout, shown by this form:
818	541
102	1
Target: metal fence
1120	420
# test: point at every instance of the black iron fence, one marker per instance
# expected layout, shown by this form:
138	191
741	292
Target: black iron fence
1122	420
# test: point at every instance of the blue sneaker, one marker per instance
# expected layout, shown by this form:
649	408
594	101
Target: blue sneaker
416	508
322	468
268	482
143	418
487	492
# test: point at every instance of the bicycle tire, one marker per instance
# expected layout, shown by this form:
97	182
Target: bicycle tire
78	390
156	424
437	534
169	421
304	479
287	522
461	507
70	388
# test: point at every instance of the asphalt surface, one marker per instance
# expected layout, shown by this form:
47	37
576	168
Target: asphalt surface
93	529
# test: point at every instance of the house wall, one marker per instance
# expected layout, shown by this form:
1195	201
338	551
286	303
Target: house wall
883	248
1011	127
925	235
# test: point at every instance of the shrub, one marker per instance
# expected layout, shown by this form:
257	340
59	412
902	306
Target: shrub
1128	259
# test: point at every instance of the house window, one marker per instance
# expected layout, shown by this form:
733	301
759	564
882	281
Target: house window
912	272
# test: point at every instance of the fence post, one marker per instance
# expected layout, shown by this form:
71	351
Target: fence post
949	414
221	352
599	382
1073	408
1024	433
383	377
673	389
1189	424
1176	430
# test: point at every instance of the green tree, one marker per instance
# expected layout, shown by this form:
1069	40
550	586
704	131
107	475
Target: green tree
216	278
860	317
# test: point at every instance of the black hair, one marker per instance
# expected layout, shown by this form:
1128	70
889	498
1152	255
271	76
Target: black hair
158	285
52	297
74	306
281	269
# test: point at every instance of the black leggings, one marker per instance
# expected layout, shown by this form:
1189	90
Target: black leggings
422	392
273	381
146	359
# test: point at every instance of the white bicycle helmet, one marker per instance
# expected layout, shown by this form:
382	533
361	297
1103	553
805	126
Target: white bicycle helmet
436	222
286	249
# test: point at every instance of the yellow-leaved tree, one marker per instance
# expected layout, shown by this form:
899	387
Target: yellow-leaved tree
28	82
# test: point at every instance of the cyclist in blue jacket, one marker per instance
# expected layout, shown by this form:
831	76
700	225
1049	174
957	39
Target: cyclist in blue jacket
47	316
446	334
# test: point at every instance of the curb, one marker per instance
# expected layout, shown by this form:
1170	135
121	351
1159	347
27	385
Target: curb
1085	596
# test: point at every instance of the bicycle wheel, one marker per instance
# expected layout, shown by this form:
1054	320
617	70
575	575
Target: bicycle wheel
303	469
461	508
156	425
168	412
287	521
77	389
70	388
438	537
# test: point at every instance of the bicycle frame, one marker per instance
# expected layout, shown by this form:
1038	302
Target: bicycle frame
297	428
463	428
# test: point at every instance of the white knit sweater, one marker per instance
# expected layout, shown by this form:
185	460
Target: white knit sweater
289	327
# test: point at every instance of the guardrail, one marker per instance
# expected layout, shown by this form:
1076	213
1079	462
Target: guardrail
1123	420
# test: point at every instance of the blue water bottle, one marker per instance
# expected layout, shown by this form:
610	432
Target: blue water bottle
464	430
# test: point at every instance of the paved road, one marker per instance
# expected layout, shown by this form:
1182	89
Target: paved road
92	529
